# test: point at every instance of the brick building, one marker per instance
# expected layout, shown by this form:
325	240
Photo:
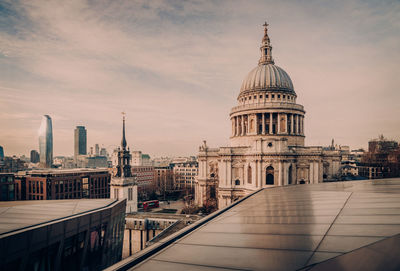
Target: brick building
64	184
145	179
382	159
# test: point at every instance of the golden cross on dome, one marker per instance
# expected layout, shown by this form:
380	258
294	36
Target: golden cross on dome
123	114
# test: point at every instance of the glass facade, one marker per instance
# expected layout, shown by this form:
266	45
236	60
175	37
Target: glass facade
89	241
80	147
46	141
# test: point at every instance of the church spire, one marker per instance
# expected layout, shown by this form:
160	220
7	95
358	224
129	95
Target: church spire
123	141
266	48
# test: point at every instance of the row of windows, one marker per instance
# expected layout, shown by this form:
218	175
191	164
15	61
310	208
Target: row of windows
280	97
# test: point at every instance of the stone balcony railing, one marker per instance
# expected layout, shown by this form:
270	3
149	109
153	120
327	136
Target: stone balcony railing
270	105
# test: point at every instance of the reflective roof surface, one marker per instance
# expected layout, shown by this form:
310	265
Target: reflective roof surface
295	227
15	215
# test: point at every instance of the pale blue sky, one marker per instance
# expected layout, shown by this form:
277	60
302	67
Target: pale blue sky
176	68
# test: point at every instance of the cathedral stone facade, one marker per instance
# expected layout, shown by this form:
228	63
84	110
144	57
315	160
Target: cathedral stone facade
267	142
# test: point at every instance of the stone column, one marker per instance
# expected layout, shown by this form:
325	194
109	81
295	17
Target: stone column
280	174
236	126
229	173
259	180
286	123
263	123
316	172
291	124
242	132
297	125
311	172
270	123
279	124
302	125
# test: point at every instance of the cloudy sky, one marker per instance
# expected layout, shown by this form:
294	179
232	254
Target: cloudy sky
175	68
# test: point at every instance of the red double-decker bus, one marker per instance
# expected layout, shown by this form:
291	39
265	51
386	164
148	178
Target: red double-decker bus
147	205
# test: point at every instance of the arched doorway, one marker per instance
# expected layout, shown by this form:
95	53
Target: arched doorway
290	180
269	176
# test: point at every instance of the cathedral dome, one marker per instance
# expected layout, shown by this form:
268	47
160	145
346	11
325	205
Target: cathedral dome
267	76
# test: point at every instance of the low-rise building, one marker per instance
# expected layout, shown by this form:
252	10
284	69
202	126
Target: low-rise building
64	184
141	159
382	159
164	179
91	161
9	189
185	173
12	164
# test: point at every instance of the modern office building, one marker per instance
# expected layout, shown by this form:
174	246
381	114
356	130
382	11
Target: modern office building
35	157
46	142
64	184
80	141
1	152
61	235
123	183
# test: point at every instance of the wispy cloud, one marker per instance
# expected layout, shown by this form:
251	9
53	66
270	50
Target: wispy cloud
176	67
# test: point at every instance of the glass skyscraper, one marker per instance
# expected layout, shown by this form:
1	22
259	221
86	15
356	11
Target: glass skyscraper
1	152
46	141
80	141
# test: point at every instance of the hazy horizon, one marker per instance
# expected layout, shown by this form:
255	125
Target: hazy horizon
176	69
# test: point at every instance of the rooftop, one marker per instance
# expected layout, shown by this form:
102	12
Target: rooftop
18	215
62	171
351	225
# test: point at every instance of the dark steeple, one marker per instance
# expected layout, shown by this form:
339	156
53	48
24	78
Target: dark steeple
124	156
123	141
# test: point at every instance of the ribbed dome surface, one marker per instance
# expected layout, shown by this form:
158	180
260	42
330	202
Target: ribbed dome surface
267	76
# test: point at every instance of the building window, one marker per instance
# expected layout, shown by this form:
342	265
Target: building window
130	194
237	182
255	97
266	96
279	96
272	96
269	176
260	96
249	98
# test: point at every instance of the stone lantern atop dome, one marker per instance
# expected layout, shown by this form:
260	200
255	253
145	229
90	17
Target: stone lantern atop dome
266	48
267	107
